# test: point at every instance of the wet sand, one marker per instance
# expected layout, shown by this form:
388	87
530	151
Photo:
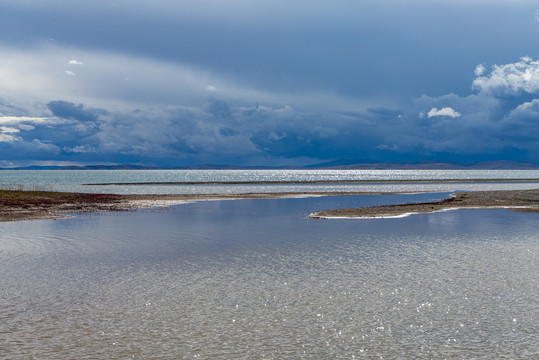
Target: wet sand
519	200
28	205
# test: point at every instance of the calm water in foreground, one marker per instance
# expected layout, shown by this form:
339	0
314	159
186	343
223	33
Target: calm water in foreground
254	279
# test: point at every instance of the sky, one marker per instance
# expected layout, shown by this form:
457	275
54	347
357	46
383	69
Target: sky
267	82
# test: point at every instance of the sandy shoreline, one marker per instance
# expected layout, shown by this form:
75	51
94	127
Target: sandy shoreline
28	205
519	200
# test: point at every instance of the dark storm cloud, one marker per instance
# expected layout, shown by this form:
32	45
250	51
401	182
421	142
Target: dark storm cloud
34	150
68	110
218	108
357	48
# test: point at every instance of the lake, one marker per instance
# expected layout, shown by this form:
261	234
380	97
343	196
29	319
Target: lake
244	279
245	181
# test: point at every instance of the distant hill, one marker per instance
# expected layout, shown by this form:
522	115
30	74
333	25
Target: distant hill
85	167
428	165
142	167
342	164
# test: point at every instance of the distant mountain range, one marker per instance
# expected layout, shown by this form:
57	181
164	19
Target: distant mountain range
428	165
343	164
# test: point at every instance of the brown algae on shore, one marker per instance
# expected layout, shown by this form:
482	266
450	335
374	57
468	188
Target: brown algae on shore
27	205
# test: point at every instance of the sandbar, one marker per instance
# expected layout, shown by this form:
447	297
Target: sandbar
518	200
29	205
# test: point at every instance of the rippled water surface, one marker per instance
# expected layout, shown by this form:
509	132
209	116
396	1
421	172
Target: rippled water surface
255	279
83	180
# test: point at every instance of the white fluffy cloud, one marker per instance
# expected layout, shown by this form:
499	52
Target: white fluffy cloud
509	79
446	111
479	70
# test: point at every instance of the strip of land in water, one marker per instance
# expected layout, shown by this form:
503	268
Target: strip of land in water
520	200
27	205
307	182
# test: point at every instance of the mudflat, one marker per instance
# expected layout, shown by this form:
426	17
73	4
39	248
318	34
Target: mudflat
28	205
520	200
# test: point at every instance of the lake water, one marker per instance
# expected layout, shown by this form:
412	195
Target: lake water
247	279
379	180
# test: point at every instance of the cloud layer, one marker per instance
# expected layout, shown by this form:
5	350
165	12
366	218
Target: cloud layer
268	83
488	124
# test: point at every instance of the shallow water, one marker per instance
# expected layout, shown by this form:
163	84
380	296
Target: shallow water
256	279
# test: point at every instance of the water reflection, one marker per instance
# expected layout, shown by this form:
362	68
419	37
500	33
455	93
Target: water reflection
251	279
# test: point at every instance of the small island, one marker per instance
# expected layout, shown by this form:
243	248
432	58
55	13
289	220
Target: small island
520	200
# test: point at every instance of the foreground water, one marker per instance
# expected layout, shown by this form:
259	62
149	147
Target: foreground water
255	279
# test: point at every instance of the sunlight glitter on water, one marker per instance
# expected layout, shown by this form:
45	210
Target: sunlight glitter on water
77	180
